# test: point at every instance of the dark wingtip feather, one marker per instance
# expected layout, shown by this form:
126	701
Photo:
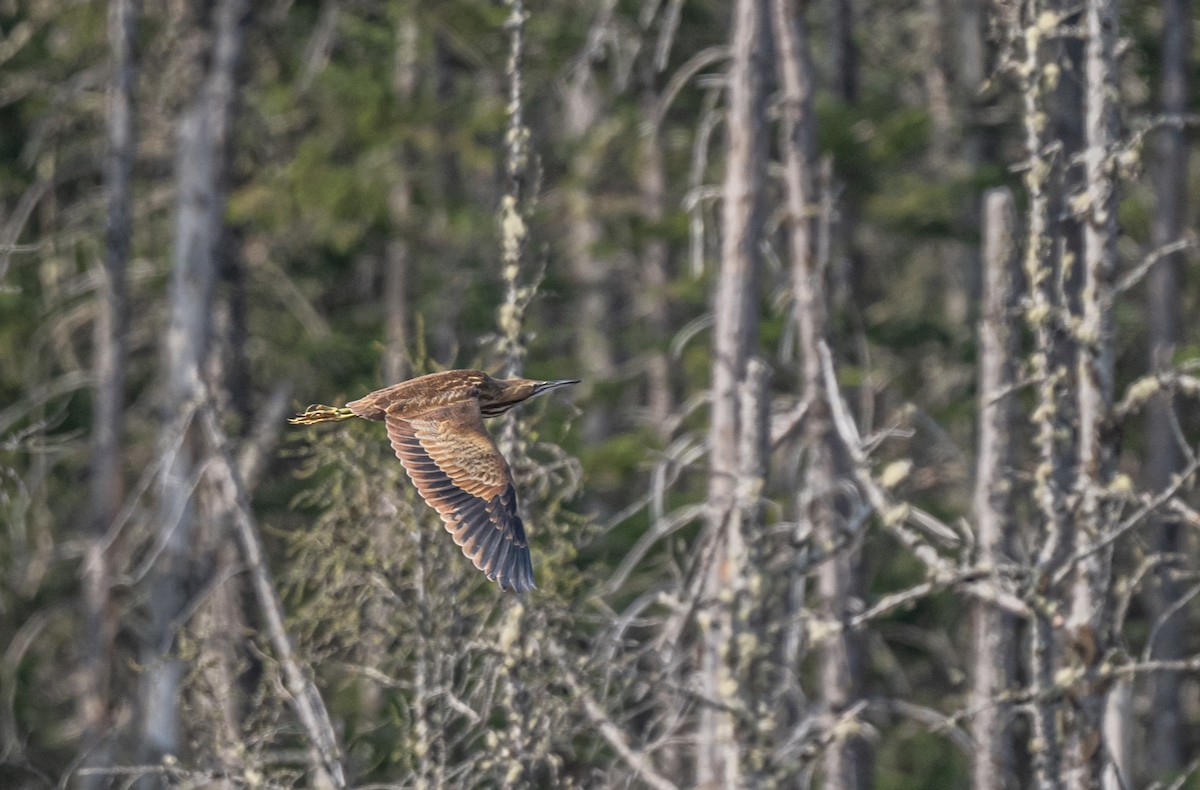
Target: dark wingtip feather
485	549
497	562
519	577
501	560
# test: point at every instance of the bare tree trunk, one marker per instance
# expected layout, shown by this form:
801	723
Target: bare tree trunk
993	638
970	77
221	625
203	138
718	762
229	365
396	365
936	82
654	307
396	362
1088	621
972	68
750	630
109	404
847	760
589	272
844	50
1053	530
1167	730
1118	736
848	272
798	147
1065	113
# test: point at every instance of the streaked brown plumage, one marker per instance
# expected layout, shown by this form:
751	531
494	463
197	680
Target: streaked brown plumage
435	424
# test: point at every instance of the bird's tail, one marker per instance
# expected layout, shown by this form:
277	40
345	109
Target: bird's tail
319	413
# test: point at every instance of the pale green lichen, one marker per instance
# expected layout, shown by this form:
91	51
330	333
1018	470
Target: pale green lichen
1068	676
1141	390
896	514
1037	313
895	473
511	628
747	643
1051	75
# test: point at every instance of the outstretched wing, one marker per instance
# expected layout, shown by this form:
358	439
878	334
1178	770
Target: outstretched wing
458	471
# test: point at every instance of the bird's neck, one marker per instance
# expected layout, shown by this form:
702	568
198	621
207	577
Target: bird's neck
495	409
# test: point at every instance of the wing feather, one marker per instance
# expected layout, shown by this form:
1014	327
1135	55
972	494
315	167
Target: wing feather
499	564
458	471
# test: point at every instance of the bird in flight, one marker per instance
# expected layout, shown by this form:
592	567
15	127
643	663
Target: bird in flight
435	424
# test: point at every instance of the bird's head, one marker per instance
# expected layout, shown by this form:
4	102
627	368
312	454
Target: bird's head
507	393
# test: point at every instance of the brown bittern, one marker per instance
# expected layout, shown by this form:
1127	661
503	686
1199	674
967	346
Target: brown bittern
435	424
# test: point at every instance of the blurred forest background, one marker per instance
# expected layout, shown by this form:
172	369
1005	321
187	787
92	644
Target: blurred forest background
881	474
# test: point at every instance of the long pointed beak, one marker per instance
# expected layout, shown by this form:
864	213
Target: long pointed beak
546	386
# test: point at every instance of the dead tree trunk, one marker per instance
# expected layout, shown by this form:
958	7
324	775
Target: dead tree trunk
848	272
969	68
797	145
847	759
589	272
200	167
396	362
844	50
718	761
1167	730
1044	316
1065	116
653	304
1088	620
109	404
993	638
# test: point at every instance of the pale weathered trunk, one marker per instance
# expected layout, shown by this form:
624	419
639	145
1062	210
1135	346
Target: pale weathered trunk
109	400
396	366
970	70
1087	622
591	320
200	166
653	305
396	362
1118	736
718	762
848	271
1051	537
797	145
1064	118
972	57
847	759
749	650
932	45
218	703
993	639
1167	731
